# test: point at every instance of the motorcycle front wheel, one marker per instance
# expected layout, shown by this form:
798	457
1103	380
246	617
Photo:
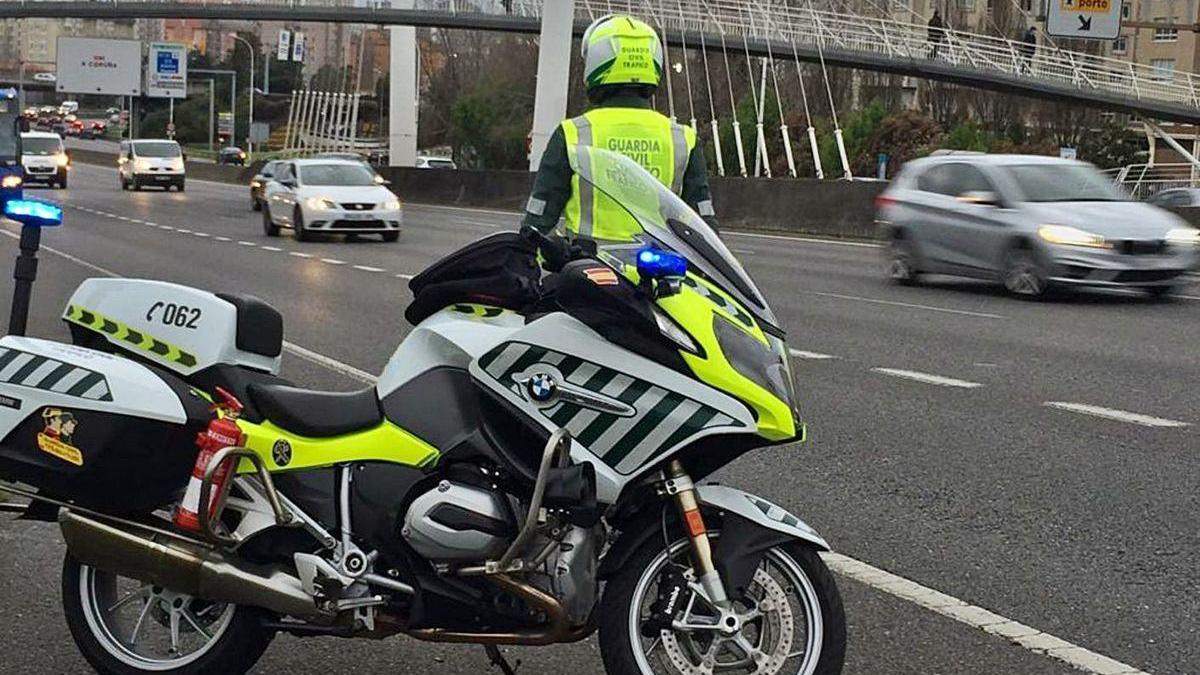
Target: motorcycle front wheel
124	626
791	622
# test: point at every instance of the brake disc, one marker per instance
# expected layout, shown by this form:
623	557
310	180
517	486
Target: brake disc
771	625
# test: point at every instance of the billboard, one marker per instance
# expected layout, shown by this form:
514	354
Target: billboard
299	47
99	66
166	70
1088	19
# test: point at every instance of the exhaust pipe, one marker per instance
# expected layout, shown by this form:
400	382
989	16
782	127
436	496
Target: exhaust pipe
185	569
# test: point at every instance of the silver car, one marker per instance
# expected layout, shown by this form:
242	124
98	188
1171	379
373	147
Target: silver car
1031	223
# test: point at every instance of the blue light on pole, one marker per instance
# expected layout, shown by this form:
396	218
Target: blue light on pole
34	212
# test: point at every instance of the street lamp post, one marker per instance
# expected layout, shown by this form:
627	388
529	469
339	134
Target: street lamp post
250	123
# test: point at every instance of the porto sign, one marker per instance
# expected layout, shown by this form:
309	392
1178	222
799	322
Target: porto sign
1087	19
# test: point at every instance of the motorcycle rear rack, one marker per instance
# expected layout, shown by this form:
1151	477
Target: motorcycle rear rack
283	517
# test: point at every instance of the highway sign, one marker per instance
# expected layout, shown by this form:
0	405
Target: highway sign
225	124
98	66
166	72
1087	19
285	45
298	47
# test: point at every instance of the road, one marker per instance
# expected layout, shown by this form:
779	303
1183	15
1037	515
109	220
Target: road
1038	460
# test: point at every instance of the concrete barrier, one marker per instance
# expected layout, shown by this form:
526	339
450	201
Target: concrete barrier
200	170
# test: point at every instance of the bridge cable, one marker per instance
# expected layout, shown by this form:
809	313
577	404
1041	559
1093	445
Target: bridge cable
737	129
783	127
666	60
837	129
760	141
687	69
812	132
712	109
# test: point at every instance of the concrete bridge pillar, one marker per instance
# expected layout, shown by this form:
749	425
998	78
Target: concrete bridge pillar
403	97
553	75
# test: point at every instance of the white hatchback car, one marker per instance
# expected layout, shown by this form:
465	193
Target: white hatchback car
329	196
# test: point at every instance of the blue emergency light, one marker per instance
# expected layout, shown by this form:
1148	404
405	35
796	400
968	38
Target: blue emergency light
34	212
655	263
8	93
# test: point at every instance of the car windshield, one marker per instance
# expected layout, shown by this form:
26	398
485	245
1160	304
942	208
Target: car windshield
336	174
163	149
667	221
441	164
1063	183
40	146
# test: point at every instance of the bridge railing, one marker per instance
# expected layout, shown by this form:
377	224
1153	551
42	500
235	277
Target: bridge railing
1145	180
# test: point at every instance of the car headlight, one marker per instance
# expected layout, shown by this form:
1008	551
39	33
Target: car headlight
11	182
61	159
379	180
255	184
391	205
673	332
1184	236
757	362
320	203
142	165
1071	236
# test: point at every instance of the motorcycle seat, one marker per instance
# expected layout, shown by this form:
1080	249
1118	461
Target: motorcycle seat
317	414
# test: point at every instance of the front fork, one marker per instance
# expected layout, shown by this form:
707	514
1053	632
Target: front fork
678	484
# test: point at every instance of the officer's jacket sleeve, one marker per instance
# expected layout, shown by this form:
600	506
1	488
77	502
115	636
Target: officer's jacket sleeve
551	186
695	187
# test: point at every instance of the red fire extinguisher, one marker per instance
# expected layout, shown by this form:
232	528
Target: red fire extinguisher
222	432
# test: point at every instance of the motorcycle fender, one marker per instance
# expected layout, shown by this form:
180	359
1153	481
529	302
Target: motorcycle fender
750	526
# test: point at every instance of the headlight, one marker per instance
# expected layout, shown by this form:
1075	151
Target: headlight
673	332
11	182
1184	236
61	159
142	165
255	184
379	180
754	360
320	203
1071	236
392	205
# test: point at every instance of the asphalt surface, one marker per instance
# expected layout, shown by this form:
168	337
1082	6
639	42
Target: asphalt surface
1078	525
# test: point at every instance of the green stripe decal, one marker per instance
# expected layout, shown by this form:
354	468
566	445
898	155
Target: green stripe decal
694	424
568	365
81	387
54	376
27	369
7	357
530	357
119	331
601	424
600	379
564	414
644	426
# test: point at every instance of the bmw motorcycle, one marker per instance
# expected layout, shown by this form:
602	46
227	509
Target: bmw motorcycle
526	471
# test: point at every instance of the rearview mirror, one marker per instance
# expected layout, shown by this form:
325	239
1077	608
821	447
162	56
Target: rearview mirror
982	198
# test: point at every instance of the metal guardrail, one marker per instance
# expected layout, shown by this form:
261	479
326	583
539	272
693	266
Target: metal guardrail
1143	181
792	22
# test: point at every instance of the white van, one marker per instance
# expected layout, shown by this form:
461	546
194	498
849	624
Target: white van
151	162
44	158
68	107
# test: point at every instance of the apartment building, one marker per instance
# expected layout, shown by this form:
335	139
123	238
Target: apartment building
1160	34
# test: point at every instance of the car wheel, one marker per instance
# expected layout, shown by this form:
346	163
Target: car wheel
255	204
391	236
1159	292
124	183
902	263
62	184
1024	276
298	225
179	186
269	226
134	184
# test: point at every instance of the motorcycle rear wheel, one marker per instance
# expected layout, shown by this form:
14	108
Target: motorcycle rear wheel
806	638
126	627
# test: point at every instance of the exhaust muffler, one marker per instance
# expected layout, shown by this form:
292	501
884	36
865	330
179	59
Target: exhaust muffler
185	568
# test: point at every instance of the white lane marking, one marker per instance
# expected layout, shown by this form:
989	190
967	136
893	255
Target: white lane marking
333	261
812	356
121	218
975	616
810	240
165	227
1187	297
1117	415
927	378
893	303
368	268
247	243
182	230
299	254
404	276
1026	636
201	234
271	248
330	363
744	251
223	239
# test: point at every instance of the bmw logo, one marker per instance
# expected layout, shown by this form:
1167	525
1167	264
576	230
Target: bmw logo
281	452
541	387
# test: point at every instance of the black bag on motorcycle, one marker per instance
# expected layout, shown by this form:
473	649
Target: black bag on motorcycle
500	270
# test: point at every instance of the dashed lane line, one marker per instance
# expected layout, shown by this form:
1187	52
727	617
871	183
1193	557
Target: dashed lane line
247	243
368	268
300	254
271	248
333	261
1027	637
927	378
1115	415
218	238
893	303
811	356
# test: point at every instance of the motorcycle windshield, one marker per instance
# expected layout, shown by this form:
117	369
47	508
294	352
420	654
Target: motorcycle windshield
665	219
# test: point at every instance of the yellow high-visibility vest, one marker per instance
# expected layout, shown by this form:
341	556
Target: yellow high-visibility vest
647	137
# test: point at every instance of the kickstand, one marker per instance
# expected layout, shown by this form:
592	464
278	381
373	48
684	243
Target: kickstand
499	661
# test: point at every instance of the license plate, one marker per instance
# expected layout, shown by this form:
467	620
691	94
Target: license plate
359	216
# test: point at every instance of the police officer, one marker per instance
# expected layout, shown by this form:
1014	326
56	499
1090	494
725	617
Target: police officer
623	65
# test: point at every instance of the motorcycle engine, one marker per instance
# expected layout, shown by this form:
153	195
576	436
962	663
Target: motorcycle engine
569	574
456	522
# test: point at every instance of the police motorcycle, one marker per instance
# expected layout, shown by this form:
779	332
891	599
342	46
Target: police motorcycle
526	471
